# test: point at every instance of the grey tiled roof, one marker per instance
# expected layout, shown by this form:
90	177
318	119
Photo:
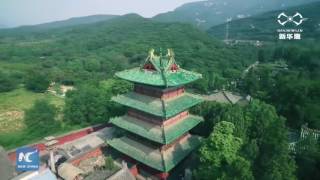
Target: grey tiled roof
6	168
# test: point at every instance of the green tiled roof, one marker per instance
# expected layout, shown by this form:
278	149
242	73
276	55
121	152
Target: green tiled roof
154	106
155	132
162	75
162	161
156	78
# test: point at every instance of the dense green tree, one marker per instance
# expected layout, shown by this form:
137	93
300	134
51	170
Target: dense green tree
239	169
7	83
121	87
264	137
261	55
219	155
266	140
91	104
87	104
37	81
251	83
273	160
211	112
201	85
92	64
41	118
297	99
242	122
295	94
308	158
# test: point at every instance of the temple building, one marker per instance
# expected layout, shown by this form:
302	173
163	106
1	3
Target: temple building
157	124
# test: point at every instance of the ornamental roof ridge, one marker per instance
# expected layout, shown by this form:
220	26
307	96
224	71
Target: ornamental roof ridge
159	70
160	62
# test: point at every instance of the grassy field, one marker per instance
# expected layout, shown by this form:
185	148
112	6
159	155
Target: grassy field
12	107
14	103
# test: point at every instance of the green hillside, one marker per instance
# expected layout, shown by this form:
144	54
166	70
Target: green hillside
97	50
206	14
264	26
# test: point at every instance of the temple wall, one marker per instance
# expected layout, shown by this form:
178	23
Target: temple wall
157	120
158	92
144	116
178	140
176	118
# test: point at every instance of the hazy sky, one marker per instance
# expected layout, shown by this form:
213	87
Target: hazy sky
25	12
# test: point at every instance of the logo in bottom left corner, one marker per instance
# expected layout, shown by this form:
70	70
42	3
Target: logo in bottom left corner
27	159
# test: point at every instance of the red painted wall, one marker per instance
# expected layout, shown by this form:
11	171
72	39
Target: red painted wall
181	138
158	92
155	120
176	118
62	139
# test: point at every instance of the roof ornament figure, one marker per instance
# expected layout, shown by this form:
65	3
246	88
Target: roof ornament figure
174	66
151	54
170	53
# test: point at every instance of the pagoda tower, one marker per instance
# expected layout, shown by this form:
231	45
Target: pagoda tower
157	122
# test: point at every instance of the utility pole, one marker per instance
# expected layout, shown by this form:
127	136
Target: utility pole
50	146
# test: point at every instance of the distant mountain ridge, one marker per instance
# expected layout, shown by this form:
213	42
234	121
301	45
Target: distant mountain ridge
264	26
203	14
67	23
206	14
